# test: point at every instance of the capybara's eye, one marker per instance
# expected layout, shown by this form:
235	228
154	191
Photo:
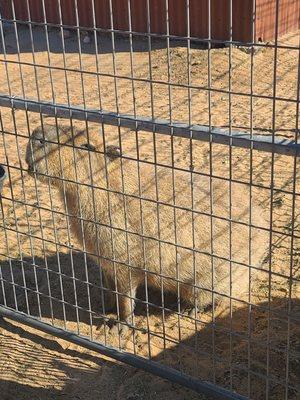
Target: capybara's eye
40	140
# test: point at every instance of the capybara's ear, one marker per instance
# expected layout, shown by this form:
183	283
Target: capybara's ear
113	152
88	146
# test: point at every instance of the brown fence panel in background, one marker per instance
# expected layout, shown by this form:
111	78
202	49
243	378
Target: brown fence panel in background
35	8
289	16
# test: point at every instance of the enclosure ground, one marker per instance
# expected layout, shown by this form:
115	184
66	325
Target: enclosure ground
36	366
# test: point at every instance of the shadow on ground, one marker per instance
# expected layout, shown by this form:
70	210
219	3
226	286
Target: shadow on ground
74	43
239	352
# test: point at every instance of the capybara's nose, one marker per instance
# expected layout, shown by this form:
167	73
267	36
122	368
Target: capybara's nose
2	176
27	155
29	160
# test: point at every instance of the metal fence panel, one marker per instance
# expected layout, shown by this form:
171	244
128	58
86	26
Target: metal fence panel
150	202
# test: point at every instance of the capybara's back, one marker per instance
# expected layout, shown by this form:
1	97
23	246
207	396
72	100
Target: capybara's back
189	228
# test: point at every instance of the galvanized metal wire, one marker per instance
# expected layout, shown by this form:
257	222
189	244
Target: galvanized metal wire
42	288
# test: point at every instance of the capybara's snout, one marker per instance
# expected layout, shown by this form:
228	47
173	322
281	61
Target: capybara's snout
2	176
39	146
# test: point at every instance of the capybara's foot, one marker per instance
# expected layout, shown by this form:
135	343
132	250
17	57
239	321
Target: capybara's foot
119	329
192	312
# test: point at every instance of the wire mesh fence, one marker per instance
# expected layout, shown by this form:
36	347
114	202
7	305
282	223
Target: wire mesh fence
150	208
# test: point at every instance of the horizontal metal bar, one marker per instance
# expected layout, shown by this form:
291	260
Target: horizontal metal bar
161	164
198	132
153	367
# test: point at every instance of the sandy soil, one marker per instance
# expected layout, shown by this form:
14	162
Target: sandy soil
36	366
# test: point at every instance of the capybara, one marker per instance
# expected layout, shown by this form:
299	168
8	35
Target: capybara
153	225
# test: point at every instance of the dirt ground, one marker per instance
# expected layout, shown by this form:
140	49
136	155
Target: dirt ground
264	337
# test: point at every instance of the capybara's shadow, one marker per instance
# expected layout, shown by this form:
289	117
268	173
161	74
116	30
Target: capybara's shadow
65	286
61	286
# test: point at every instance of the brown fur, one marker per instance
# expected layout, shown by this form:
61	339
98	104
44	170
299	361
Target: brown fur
134	239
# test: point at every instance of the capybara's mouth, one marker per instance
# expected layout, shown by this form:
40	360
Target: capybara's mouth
2	177
2	172
30	170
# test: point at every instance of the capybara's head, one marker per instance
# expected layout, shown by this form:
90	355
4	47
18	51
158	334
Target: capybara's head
61	154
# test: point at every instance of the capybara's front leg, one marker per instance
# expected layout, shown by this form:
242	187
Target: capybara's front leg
126	305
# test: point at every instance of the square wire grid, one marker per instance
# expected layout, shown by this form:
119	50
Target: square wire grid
140	78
